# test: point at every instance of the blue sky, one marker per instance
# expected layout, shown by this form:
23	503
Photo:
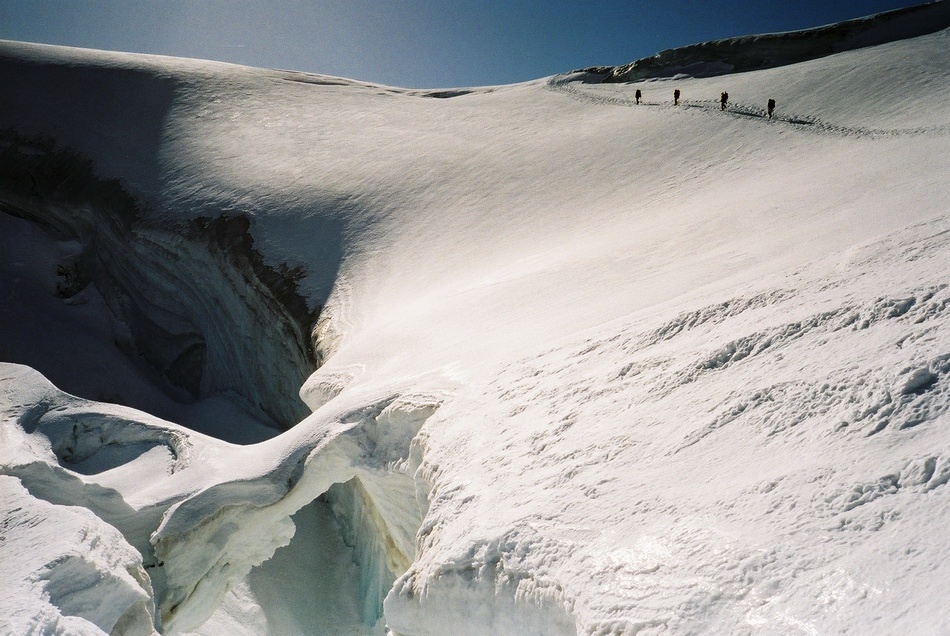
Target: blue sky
414	43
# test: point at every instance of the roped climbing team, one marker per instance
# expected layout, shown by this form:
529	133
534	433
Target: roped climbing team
723	101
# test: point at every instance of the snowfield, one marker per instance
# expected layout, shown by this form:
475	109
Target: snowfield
286	353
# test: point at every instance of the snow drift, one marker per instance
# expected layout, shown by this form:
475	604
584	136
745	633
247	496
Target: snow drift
550	361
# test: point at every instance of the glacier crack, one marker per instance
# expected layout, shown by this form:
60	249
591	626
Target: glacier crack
186	304
361	462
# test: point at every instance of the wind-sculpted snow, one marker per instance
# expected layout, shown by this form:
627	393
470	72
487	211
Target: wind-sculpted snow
86	580
580	365
197	541
664	539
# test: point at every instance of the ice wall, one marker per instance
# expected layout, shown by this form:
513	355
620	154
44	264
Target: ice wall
188	302
360	459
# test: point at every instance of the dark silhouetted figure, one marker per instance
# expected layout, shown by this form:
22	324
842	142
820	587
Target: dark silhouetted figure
771	107
676	97
722	100
638	95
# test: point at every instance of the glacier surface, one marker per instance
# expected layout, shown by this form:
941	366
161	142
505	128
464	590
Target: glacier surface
287	353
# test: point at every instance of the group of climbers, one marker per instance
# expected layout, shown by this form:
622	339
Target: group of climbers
723	101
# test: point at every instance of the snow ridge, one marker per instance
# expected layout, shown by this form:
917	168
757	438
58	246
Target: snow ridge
757	52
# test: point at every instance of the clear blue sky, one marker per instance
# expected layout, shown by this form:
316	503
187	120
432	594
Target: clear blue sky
414	43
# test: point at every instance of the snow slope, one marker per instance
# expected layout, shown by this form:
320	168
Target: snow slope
586	366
